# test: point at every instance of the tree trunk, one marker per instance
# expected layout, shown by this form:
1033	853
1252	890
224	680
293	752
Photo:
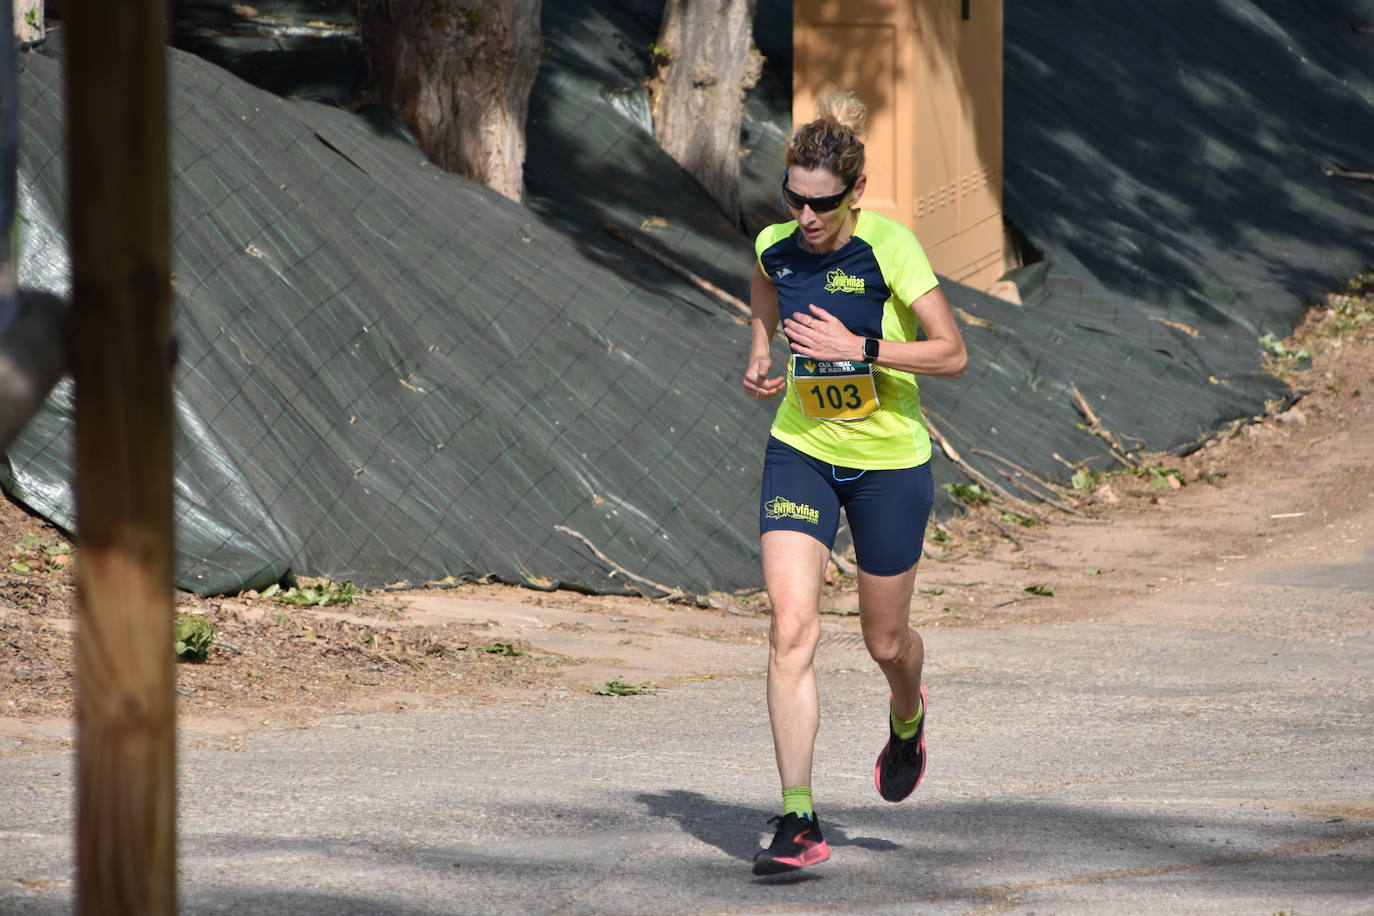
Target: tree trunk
459	76
28	21
704	63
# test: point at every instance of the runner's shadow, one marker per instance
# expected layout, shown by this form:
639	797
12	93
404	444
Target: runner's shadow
738	830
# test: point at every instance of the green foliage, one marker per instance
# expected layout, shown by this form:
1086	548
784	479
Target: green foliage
502	648
970	494
1044	590
1348	312
1085	479
1278	350
1361	284
1159	477
1015	519
313	593
618	688
193	635
1352	313
35	555
659	56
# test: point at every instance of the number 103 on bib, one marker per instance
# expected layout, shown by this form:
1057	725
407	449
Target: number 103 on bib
834	390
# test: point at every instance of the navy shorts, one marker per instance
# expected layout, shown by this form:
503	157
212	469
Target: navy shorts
887	510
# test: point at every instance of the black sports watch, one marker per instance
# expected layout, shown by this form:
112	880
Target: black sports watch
870	349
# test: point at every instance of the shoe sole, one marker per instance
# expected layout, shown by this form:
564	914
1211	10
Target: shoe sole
813	856
882	755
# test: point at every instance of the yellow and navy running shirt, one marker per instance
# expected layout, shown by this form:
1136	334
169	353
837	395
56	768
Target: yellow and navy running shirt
869	285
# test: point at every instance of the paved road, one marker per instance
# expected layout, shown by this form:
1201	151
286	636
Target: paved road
1204	750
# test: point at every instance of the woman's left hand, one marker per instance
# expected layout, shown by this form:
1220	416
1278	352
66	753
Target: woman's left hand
820	335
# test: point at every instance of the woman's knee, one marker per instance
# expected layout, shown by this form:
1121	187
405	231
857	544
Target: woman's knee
888	644
794	636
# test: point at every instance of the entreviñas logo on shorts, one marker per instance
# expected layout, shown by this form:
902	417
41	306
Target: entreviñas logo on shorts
837	281
782	507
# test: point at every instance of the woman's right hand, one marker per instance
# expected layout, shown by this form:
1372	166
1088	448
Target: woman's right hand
757	384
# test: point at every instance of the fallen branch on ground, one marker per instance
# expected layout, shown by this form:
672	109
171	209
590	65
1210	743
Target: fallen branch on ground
1097	429
701	283
1016	545
616	568
1016	480
958	461
1354	176
1057	491
972	473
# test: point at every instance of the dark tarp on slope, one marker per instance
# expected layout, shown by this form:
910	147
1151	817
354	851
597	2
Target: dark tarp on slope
392	373
1169	161
1134	309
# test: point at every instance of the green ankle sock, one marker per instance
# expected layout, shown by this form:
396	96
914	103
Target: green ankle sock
907	728
797	800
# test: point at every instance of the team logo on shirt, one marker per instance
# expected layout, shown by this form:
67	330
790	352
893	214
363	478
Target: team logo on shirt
782	507
837	281
783	273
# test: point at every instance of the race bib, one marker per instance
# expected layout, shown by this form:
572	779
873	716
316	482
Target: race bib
838	390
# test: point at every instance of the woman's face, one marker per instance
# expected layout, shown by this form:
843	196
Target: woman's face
823	230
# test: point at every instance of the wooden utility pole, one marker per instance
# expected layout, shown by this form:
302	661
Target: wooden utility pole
118	214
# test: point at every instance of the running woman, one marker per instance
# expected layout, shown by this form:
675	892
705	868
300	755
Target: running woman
851	289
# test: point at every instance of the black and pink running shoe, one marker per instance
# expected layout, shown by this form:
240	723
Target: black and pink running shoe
797	844
903	762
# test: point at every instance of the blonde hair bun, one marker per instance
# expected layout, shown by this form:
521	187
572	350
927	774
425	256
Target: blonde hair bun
844	108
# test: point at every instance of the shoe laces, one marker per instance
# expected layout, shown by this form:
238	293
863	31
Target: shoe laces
906	750
776	821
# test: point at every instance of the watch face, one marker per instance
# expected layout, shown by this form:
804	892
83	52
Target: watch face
870	349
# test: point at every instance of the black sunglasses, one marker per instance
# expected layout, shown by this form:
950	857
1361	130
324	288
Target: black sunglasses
817	204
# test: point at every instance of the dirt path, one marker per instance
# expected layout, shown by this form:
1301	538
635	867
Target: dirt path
1295	479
